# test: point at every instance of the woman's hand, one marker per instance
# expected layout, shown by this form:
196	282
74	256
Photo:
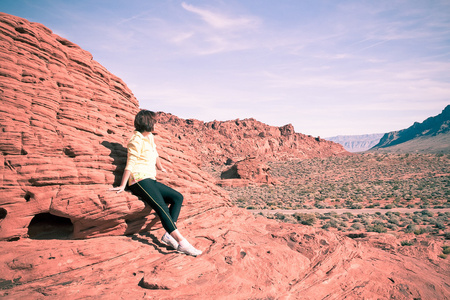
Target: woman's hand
119	189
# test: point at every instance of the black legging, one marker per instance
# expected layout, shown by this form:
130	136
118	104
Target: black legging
157	195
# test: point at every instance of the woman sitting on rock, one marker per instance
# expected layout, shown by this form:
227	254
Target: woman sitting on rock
140	173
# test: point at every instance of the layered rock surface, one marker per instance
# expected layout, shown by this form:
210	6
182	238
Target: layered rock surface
220	142
239	149
64	123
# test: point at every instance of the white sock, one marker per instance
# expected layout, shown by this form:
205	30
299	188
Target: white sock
184	243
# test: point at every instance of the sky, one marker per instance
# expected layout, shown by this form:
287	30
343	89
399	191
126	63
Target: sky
327	67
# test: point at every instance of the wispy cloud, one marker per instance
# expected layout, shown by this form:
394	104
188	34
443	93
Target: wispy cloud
222	21
329	68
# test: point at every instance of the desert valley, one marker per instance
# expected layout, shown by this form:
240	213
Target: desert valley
278	214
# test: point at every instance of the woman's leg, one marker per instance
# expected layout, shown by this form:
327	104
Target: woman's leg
152	193
148	191
171	196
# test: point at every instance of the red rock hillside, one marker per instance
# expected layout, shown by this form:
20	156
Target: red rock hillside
240	148
64	122
230	141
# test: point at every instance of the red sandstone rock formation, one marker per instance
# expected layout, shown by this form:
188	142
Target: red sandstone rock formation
246	171
64	122
218	142
221	143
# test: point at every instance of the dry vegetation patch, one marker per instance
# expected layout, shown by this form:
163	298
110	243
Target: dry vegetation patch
420	182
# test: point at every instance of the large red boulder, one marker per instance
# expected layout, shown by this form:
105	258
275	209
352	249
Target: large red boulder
246	171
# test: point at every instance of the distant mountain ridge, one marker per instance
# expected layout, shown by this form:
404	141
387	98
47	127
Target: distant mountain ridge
357	143
432	135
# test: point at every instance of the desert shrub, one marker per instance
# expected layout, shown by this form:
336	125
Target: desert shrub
427	213
356	206
421	230
407	243
280	216
410	228
392	227
376	228
324	216
446	249
366	221
288	219
319	205
305	219
405	223
439	225
417	220
333	222
394	220
326	226
357	226
377	222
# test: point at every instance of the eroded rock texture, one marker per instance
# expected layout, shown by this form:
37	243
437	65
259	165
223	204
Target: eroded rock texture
64	121
219	142
241	148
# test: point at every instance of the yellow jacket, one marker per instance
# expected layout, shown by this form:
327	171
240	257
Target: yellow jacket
142	155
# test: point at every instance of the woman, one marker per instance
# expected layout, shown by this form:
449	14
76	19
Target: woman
140	173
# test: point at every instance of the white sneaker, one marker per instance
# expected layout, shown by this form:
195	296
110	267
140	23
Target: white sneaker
188	249
168	240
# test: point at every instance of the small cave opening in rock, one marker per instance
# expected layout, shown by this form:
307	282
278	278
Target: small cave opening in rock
47	226
3	213
231	173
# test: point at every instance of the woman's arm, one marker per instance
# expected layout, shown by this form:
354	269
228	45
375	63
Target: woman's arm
123	184
159	165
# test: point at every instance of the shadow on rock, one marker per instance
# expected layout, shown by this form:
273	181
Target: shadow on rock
119	156
153	241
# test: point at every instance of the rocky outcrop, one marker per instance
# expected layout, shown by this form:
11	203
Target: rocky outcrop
64	123
248	144
246	171
218	142
244	258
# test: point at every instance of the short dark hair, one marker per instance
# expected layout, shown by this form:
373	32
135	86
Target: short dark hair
145	121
